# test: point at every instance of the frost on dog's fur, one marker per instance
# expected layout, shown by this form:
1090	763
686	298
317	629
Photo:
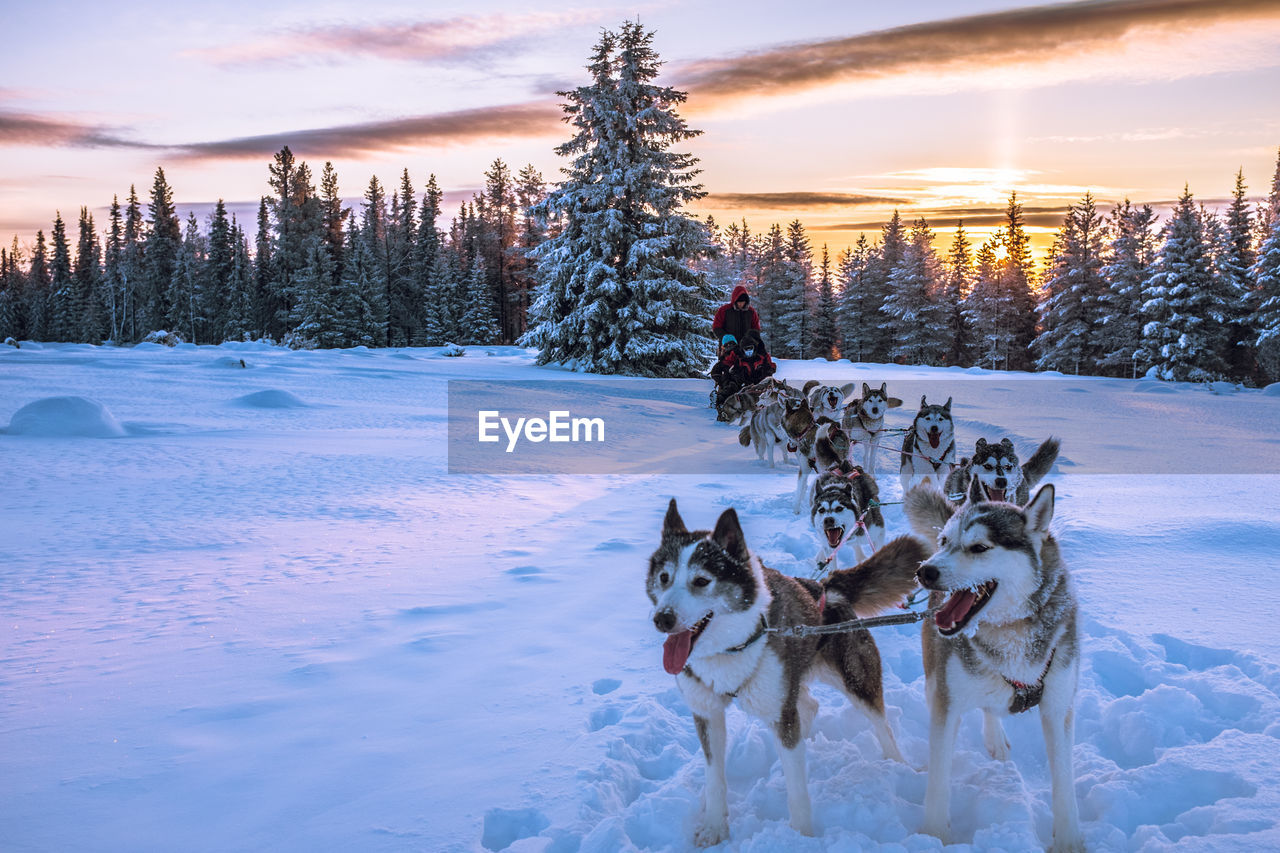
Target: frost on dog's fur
714	599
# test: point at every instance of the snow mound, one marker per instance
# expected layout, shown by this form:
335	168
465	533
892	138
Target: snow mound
160	336
1154	386
453	351
65	416
230	361
10	342
271	398
262	345
1272	390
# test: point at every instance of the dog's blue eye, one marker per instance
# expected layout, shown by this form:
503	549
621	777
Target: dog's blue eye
664	578
701	582
978	548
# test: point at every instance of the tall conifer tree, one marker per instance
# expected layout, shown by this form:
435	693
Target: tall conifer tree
618	294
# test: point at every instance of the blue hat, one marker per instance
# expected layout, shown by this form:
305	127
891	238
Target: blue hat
728	339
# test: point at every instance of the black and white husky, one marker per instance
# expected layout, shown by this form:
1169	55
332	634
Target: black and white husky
996	466
863	421
716	603
845	509
929	447
1003	639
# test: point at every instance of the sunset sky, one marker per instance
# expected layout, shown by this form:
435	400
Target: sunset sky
830	112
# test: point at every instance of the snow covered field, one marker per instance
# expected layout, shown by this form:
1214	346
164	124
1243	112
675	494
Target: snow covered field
250	609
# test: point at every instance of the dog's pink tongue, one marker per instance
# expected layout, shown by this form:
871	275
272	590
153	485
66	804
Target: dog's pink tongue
935	438
954	609
675	651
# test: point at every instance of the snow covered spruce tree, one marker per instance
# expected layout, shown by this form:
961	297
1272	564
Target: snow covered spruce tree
1266	296
1180	307
956	284
617	293
913	303
859	312
1130	252
1072	294
1233	260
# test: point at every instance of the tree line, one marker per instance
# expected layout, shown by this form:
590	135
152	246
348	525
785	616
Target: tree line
315	274
607	272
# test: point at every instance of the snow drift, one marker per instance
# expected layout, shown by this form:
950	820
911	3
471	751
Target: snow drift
65	416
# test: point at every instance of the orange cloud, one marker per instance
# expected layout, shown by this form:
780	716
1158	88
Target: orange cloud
354	140
789	200
1030	35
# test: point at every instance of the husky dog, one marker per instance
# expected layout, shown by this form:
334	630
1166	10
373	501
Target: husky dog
765	426
828	400
863	420
1003	639
803	430
829	451
738	406
846	508
929	447
1003	479
830	446
717	604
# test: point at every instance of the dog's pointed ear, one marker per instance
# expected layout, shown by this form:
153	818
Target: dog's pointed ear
673	524
728	535
847	388
811	384
1040	511
924	400
884	388
975	495
946	407
866	390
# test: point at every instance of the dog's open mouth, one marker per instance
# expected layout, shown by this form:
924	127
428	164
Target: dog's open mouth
676	649
994	494
935	437
835	535
963	604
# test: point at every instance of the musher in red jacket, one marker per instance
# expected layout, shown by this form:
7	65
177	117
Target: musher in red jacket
736	317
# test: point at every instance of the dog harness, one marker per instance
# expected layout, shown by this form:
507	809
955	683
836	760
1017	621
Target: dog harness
1027	696
794	446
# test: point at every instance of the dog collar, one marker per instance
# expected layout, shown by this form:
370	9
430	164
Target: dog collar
760	631
1027	696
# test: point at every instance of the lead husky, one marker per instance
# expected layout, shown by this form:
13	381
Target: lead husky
1003	640
715	601
863	421
996	465
929	447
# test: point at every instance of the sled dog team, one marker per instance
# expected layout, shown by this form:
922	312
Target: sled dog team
1002	636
